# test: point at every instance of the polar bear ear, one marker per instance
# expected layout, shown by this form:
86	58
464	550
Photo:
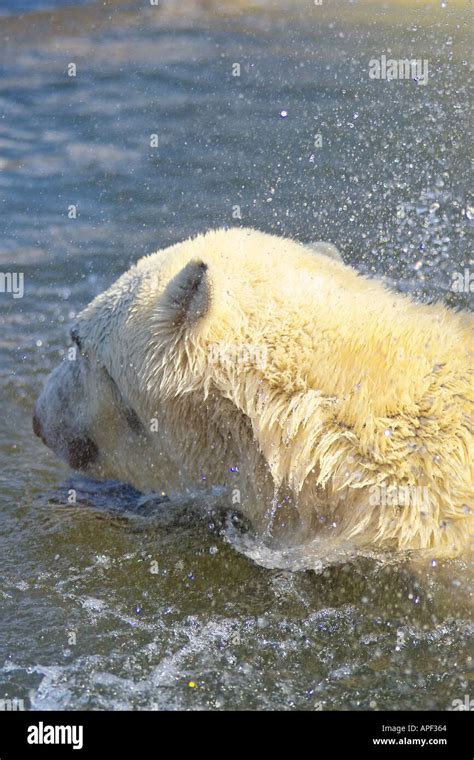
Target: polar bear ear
186	298
327	249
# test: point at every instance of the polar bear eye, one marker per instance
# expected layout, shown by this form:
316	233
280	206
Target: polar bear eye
75	338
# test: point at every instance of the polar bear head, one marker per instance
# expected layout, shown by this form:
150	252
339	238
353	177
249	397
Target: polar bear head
166	361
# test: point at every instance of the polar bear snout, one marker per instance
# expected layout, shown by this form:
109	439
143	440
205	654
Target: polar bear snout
61	417
81	452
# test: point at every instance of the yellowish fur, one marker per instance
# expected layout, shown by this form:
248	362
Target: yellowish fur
362	390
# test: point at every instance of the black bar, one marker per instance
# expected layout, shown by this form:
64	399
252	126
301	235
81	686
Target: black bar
153	734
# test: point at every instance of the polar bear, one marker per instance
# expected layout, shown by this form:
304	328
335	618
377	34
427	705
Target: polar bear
323	402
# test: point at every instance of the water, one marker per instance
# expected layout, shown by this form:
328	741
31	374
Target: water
120	602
